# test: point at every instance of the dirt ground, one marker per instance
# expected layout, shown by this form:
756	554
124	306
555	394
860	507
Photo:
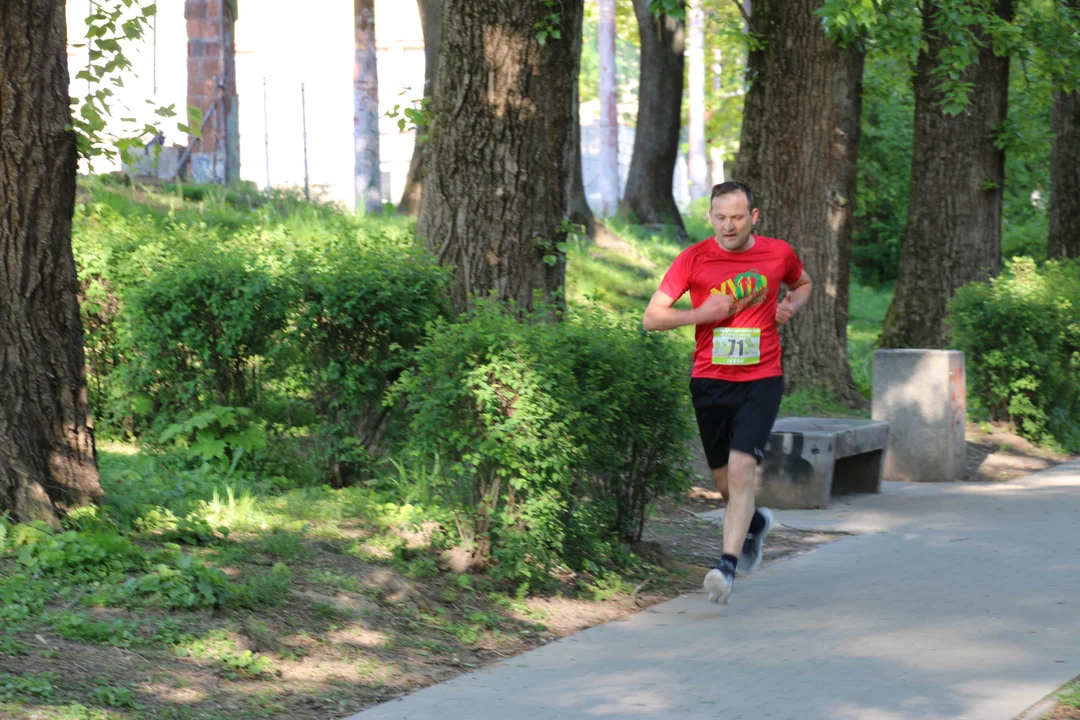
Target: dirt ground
994	453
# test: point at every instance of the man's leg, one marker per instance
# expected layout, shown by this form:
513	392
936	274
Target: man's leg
720	478
741	469
750	434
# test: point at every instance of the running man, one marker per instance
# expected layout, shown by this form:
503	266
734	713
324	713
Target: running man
734	282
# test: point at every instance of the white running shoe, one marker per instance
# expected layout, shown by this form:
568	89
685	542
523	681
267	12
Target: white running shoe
718	584
750	557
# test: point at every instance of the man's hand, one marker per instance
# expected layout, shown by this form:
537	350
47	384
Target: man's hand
716	307
784	311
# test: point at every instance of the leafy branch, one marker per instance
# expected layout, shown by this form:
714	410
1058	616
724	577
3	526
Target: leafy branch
109	27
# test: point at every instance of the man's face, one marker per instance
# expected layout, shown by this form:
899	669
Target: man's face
732	220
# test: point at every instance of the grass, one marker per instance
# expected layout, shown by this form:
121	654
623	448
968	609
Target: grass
1069	696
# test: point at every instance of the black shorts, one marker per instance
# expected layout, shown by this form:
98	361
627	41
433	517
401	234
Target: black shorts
735	415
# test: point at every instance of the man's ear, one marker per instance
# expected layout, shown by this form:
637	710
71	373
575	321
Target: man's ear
753	217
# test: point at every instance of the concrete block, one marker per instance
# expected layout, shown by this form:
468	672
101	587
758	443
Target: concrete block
808	460
923	396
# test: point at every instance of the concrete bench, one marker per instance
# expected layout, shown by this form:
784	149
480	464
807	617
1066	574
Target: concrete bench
808	460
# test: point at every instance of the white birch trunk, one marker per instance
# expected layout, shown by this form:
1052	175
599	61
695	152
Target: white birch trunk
609	115
698	164
368	186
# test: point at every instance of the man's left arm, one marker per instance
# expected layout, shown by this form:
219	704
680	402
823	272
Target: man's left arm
797	296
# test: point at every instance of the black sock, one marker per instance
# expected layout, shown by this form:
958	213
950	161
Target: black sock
757	523
728	562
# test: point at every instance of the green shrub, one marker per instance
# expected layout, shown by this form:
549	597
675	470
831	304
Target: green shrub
1021	336
552	437
366	305
194	333
219	436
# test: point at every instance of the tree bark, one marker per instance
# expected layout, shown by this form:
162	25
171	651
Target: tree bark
953	234
1064	237
648	198
431	21
798	152
366	111
698	164
609	112
500	155
47	460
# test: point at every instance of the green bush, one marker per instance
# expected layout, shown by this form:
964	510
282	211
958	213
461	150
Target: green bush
1021	336
552	437
299	312
196	330
365	307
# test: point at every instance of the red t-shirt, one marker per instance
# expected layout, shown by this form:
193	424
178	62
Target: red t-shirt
745	346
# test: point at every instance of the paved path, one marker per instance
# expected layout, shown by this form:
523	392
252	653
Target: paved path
955	601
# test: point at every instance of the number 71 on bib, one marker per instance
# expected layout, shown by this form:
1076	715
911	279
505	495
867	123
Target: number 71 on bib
736	346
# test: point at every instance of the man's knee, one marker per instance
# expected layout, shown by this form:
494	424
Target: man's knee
741	470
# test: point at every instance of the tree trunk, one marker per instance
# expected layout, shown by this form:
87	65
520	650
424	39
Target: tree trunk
648	199
953	234
1064	238
47	462
698	164
798	152
366	111
430	20
500	155
609	112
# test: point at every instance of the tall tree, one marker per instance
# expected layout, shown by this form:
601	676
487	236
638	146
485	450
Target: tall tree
609	111
698	164
47	460
648	198
430	22
368	174
1064	238
953	234
500	154
800	140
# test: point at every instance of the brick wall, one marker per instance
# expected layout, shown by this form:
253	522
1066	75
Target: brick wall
211	65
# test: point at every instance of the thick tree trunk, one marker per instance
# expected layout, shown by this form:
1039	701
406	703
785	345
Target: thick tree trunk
430	21
698	164
501	150
47	462
648	199
1064	238
953	234
798	151
609	111
366	110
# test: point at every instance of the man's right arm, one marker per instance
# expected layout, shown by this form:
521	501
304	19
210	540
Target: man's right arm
661	315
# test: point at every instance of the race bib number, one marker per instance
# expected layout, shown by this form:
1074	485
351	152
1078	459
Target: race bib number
736	346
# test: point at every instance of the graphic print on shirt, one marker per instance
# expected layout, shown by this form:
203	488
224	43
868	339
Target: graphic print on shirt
748	289
740	346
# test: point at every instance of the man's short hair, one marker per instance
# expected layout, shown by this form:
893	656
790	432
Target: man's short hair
733	186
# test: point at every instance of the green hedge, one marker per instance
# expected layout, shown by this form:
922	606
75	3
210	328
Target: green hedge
551	437
306	320
1020	333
